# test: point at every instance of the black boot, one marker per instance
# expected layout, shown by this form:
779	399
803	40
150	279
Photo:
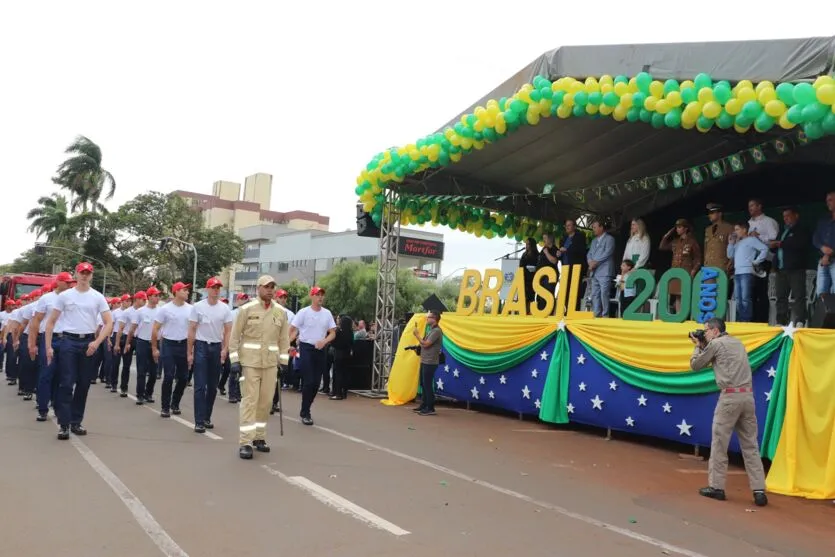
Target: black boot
245	452
713	493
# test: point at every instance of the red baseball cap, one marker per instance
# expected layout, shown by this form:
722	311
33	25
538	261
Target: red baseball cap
53	285
126	297
140	295
10	302
224	300
64	277
242	296
212	282
179	286
84	267
316	290
153	291
280	293
114	301
24	297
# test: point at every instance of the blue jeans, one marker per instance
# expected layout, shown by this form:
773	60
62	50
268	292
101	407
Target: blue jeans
27	368
48	378
427	386
206	376
601	286
826	280
146	370
313	363
75	370
744	296
175	366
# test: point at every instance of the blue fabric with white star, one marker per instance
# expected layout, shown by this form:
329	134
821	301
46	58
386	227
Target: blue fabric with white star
598	398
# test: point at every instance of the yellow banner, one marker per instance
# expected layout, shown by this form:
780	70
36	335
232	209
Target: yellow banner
494	335
655	345
804	464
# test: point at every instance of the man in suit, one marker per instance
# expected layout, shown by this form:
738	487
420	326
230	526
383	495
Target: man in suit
792	251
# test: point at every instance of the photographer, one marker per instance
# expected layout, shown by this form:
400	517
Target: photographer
735	409
430	353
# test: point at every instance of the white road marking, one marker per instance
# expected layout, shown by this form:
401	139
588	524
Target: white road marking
338	502
692	471
179	420
140	512
660	544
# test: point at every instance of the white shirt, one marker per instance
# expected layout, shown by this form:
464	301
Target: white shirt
767	228
4	316
290	314
14	316
26	315
210	320
45	306
80	309
313	325
174	321
117	314
145	322
640	247
126	319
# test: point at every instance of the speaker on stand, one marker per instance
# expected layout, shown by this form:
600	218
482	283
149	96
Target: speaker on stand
823	312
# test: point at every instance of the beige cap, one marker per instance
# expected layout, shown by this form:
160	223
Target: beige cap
264	280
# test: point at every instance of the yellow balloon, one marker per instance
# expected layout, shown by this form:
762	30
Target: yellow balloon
703	130
656	89
692	110
775	108
479	145
592	109
606	88
686	84
576	87
741	129
563	111
478	126
524	95
745	94
763	85
662	107
621	89
619	114
687	124
688	120
744	84
823	80
733	106
501	125
650	102
592	86
633	85
712	110
533	118
705	95
606	110
606	80
466	143
545	107
784	122
626	100
766	95
568	100
826	94
674	99
527	87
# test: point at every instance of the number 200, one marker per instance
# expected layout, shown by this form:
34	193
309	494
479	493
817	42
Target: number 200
707	299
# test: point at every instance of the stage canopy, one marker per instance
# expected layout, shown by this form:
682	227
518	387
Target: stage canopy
615	131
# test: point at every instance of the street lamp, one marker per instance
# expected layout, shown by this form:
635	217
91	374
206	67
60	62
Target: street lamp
163	242
40	249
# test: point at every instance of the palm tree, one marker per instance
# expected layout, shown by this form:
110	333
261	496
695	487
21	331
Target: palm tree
83	176
50	218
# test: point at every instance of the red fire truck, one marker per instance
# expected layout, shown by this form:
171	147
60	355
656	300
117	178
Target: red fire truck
16	285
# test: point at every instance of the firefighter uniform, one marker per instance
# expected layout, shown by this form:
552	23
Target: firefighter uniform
259	342
716	246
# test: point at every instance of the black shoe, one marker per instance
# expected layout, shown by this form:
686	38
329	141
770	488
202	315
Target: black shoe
165	414
78	429
64	433
307	420
234	400
27	397
149	399
140	401
261	446
176	410
112	389
20	393
199	428
275	409
427	412
42	417
123	394
245	452
222	392
337	397
713	493
760	498
208	424
418	409
93	381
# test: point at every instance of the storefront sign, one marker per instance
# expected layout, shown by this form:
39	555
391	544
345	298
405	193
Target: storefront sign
415	247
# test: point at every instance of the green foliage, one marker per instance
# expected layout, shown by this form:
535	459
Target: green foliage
298	289
83	176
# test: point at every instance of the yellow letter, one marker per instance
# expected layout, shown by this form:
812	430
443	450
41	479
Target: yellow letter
517	290
550	274
572	313
490	292
467	292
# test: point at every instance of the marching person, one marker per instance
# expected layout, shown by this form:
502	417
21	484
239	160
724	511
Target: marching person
285	370
4	317
210	323
735	409
28	365
172	324
121	305
315	329
48	379
259	343
146	367
122	346
12	309
79	306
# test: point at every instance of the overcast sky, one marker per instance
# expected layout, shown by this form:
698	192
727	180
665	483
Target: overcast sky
179	94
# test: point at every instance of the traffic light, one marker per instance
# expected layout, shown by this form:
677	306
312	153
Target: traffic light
40	249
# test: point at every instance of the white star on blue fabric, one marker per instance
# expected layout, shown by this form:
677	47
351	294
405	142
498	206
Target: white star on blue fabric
570	408
491	394
503	380
526	392
455	372
630	422
771	372
446	369
474	392
581	359
481	381
440	384
667	408
537	403
534	374
684	428
768	396
642	400
597	403
582	387
544	355
613	386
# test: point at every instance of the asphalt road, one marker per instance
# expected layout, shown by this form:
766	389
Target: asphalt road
368	480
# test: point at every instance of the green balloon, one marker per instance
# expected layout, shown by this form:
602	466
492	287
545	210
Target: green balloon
581	98
673	118
764	122
611	99
688	95
703	80
645	116
558	97
751	110
633	114
795	114
671	85
814	112
546	93
743	121
578	110
536	96
828	123
814	130
785	92
595	99
518	106
804	93
704	122
511	116
643	80
722	93
621	79
638	99
725	121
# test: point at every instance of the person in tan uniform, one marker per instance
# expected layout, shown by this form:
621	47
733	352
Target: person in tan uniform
260	340
735	409
717	234
686	254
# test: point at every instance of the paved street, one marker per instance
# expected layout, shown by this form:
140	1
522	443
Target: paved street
368	481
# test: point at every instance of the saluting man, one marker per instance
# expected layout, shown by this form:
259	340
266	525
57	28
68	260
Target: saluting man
210	323
315	329
259	342
172	324
79	306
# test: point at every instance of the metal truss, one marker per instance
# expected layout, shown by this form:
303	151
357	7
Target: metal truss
386	294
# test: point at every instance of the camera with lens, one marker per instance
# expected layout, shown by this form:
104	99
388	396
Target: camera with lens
415	347
699	335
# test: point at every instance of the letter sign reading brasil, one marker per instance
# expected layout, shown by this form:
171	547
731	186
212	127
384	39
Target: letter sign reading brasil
707	292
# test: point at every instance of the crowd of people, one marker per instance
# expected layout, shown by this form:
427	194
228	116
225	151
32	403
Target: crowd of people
748	251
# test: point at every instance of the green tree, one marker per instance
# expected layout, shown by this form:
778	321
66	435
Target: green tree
83	176
298	289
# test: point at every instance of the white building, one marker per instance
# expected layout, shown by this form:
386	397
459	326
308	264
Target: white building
307	255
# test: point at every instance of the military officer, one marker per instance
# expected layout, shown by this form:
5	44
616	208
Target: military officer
717	234
259	342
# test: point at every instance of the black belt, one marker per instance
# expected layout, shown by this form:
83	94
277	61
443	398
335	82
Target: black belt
75	336
170	341
209	343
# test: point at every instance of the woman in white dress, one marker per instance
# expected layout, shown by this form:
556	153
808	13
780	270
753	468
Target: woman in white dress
638	246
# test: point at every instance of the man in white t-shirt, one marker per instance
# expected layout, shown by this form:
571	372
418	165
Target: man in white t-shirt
210	323
79	307
766	230
48	378
27	364
12	307
4	316
140	337
315	329
172	324
122	303
122	346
